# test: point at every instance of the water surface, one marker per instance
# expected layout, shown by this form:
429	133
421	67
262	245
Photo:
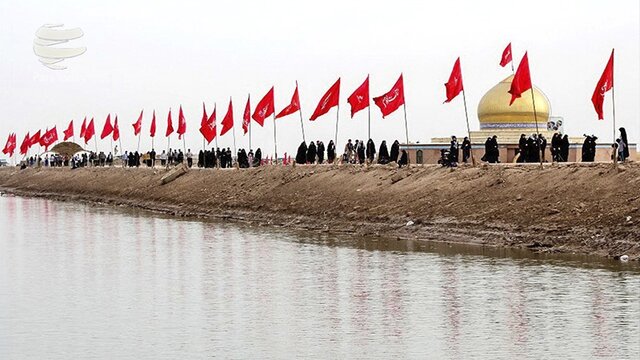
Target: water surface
90	282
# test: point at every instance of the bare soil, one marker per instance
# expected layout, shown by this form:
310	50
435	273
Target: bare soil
573	208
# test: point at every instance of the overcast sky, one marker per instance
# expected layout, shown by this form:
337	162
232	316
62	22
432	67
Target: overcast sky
160	54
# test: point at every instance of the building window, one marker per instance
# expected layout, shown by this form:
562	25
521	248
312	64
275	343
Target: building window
419	159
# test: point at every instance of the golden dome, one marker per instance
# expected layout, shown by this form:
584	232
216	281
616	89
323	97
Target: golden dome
494	110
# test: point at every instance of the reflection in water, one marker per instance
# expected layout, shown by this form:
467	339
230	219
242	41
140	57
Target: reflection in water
89	282
452	307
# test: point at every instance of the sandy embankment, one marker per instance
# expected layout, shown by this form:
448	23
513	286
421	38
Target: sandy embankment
581	208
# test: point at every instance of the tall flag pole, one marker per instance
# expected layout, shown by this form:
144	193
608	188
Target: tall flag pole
168	135
182	129
507	57
137	130
203	123
233	132
227	124
300	112
454	87
330	99
605	84
246	120
106	131
406	126
90	132
293	106
68	133
360	100
391	101
212	120
264	109
152	134
116	134
369	122
275	141
522	82
337	119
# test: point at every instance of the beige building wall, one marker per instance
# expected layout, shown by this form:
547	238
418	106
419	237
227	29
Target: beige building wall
430	153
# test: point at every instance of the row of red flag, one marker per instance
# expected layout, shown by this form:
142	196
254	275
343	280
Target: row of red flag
522	80
358	100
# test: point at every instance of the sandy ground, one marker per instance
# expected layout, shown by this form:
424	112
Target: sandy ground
575	208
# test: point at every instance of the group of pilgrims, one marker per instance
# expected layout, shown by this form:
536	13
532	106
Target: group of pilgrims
354	153
532	149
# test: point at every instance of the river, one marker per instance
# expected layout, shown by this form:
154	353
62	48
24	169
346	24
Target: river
92	282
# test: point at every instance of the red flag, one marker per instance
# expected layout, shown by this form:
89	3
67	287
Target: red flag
12	145
14	142
152	130
213	116
35	139
208	128
359	100
83	128
293	106
137	126
264	109
49	137
182	124
204	116
208	131
26	144
604	84
7	145
42	137
69	132
5	150
454	85
169	125
506	56
246	119
330	99
116	130
392	100
107	129
521	80
89	132
227	122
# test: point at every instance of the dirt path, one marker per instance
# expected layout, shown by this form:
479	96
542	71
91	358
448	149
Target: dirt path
580	208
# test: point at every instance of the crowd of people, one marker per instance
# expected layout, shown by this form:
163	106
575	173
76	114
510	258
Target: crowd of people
531	149
354	153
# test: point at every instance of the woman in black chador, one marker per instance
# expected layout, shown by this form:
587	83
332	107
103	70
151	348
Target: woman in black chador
487	151
466	149
383	154
331	152
395	151
371	151
301	155
361	152
555	147
311	153
201	159
589	148
623	137
454	150
564	148
320	151
522	148
257	159
404	159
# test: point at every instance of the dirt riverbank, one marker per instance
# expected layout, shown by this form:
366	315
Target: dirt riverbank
578	208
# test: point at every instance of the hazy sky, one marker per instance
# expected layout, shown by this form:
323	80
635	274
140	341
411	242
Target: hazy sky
160	54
